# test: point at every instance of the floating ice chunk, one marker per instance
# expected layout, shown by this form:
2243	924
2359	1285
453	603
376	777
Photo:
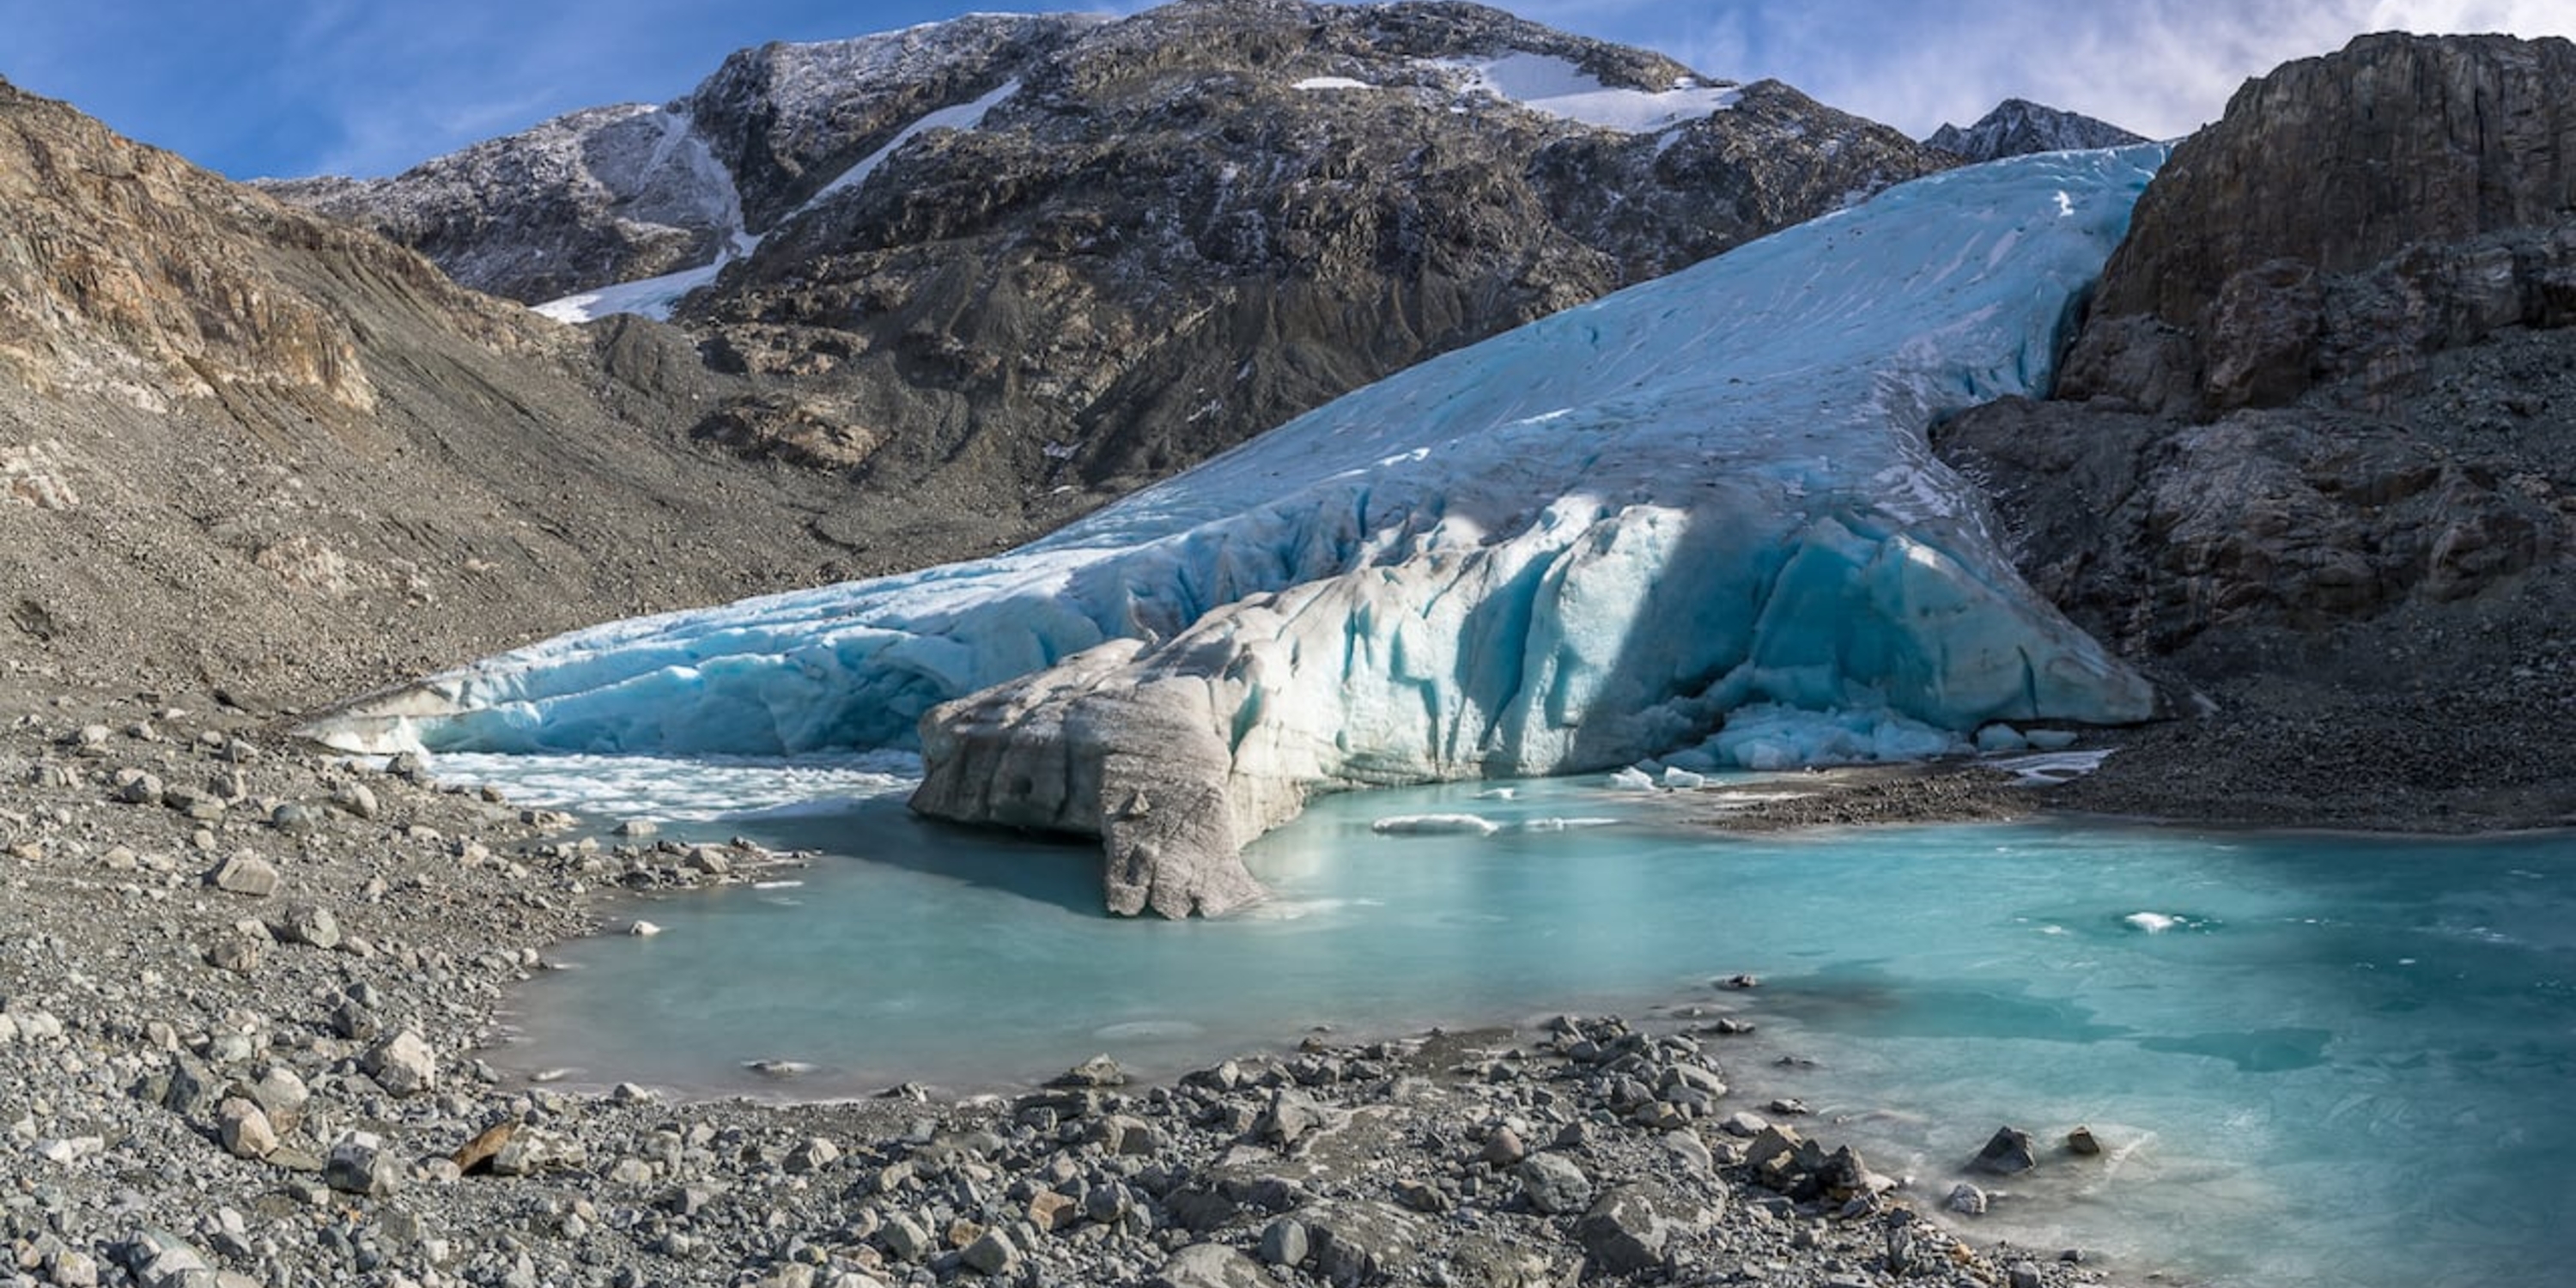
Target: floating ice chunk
1435	825
1632	779
1498	793
1554	824
1683	779
2052	767
2154	923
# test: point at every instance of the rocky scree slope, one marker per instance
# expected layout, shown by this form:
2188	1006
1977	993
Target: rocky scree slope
1178	229
247	448
2315	452
2019	127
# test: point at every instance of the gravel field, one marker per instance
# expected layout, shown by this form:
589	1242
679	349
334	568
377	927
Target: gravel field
248	997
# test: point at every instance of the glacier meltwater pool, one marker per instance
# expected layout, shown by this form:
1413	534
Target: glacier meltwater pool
2317	1059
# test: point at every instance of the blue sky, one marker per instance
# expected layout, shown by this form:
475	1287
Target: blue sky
291	87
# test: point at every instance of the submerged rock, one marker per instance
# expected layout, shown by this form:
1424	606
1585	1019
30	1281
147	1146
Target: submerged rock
2008	1153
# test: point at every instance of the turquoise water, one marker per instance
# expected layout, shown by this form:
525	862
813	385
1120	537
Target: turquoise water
2316	1059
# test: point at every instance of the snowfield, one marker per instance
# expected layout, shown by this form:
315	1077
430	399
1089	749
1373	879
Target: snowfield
1583	543
1551	85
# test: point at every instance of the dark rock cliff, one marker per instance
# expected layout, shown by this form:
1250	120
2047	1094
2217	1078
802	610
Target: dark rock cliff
2315	450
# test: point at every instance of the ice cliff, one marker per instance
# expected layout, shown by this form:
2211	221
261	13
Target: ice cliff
1574	545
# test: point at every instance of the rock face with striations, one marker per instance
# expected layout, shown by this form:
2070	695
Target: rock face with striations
2316	448
2019	127
1140	242
2349	213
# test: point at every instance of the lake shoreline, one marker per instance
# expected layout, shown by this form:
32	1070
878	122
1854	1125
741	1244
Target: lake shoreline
270	982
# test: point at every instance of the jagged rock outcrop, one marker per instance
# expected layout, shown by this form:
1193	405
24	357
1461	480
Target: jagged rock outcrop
1170	232
2316	448
246	447
2348	214
2019	127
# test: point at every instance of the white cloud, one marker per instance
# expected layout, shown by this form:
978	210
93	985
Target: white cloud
2160	67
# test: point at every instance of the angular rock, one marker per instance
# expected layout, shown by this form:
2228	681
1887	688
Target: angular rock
246	874
812	1155
1284	1242
1051	1211
359	1163
1357	1242
990	1254
244	1129
1625	1231
1098	1071
1553	1184
904	1238
402	1064
2008	1152
1290	1116
1211	1265
309	924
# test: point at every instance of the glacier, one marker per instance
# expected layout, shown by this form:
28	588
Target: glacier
1575	545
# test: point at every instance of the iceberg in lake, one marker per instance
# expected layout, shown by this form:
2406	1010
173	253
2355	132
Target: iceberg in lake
1570	547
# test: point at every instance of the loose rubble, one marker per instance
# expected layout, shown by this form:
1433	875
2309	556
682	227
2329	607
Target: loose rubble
241	1037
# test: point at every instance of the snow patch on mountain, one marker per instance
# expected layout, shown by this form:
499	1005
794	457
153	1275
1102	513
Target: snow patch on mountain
962	116
655	297
1557	87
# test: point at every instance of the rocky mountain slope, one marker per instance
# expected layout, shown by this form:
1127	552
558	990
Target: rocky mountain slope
1160	235
2019	127
2315	452
611	194
246	448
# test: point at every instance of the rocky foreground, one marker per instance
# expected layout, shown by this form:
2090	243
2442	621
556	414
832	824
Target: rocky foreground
242	991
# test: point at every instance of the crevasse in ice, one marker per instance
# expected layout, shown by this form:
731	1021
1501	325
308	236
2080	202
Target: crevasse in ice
1577	544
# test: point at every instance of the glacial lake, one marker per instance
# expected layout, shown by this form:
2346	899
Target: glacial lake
2316	1059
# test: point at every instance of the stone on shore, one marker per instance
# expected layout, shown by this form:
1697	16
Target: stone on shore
402	1064
1211	1265
360	1164
1553	1184
2007	1153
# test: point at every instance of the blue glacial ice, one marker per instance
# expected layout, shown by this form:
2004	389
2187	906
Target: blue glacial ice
1575	545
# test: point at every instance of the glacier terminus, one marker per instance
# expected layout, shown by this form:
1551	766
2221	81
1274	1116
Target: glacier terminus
1696	520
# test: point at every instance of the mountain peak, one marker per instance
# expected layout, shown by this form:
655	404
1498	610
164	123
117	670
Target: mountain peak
2018	127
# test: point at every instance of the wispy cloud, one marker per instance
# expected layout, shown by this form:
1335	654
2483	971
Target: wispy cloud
2160	67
